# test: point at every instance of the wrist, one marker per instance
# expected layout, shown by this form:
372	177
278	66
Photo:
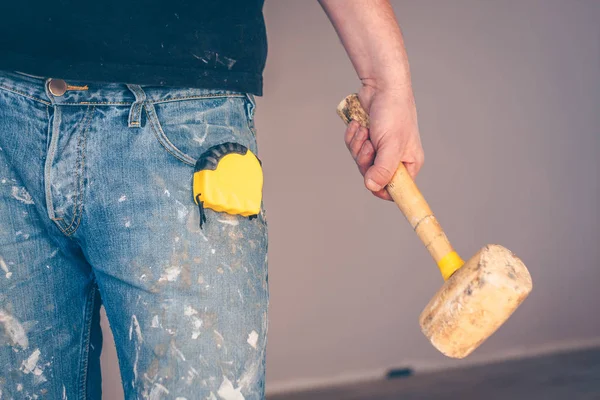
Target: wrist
394	86
390	78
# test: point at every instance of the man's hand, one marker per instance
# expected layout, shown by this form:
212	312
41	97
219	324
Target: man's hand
393	137
373	40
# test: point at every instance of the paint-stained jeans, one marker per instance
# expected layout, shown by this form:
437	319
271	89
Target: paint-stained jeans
96	207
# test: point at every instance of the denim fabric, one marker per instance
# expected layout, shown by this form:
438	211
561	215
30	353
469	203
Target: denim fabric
96	207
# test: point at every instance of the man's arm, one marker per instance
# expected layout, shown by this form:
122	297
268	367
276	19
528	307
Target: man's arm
372	38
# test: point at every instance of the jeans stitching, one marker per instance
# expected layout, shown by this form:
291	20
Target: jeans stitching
48	164
85	348
24	94
95	103
162	138
135	115
69	230
82	185
197	97
123	103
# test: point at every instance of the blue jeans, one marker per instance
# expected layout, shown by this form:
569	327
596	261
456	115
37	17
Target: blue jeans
96	207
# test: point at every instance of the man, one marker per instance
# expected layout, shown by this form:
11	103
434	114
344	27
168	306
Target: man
115	117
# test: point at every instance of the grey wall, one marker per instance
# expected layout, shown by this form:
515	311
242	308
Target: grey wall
508	95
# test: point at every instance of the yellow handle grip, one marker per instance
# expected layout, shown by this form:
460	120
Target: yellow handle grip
409	199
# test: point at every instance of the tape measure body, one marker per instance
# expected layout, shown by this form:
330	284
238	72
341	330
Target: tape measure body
228	178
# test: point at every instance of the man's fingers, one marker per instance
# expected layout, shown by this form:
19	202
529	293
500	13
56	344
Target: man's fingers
357	142
383	194
380	173
351	130
365	157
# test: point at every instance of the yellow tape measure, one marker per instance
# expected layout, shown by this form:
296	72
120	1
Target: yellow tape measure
228	178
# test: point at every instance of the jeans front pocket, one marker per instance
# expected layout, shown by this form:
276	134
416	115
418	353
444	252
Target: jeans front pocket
187	128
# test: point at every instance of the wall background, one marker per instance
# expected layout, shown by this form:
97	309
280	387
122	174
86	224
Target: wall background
508	95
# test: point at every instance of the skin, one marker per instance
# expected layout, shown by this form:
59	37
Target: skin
373	41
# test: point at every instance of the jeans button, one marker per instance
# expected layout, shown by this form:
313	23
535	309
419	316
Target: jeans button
57	87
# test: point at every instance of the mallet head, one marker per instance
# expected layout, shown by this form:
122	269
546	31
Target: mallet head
475	301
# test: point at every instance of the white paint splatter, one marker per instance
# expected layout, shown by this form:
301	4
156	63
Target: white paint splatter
37	379
232	222
253	338
203	235
64	394
200	58
22	195
211	396
142	277
219	339
155	393
227	392
30	365
197	324
3	180
155	323
182	211
192	373
19	387
122	198
249	377
189	311
127	222
170	274
177	351
23	235
228	62
14	330
167	193
213	251
4	267
135	326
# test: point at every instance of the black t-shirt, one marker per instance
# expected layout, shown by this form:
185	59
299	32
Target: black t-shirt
215	44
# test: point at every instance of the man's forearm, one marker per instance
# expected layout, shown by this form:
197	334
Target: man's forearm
372	38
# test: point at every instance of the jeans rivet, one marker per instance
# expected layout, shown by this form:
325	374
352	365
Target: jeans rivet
57	87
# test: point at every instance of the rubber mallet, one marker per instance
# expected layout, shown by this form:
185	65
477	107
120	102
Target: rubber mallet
478	296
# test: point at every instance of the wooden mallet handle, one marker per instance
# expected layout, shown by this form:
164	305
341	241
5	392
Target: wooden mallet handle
409	199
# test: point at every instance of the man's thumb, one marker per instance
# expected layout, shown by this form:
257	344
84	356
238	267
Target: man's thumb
383	169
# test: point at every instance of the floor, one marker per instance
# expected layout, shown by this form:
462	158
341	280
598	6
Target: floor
570	376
